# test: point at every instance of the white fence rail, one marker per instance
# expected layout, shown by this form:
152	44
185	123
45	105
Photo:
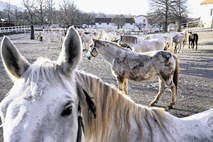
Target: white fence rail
18	29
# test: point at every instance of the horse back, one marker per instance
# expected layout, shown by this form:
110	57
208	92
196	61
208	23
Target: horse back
128	39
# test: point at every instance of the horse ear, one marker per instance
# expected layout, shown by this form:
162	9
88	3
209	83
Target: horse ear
14	63
70	54
84	96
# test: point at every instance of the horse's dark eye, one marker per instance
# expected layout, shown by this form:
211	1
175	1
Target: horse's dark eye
67	110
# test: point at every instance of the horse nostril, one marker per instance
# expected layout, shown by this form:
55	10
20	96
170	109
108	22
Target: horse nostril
89	58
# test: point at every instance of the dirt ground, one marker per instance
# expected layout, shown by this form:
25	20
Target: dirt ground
195	89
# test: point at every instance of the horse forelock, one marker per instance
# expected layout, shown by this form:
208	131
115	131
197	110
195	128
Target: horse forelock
41	73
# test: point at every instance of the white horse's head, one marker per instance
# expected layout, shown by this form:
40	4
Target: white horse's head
43	103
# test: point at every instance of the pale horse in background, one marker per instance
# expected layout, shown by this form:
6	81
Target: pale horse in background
87	40
180	40
141	45
53	35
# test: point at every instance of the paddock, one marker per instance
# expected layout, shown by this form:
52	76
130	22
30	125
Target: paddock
195	83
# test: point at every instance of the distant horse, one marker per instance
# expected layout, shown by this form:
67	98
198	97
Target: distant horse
140	45
193	40
87	40
53	102
180	39
122	44
53	36
126	64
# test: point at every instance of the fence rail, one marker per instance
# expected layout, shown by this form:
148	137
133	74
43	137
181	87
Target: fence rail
18	29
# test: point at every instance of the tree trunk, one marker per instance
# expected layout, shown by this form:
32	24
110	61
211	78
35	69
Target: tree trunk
32	35
179	25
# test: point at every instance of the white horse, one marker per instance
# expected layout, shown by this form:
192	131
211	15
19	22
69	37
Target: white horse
53	36
140	45
43	103
126	64
49	98
119	119
87	40
180	39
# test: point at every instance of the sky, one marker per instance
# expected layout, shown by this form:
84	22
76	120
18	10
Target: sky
133	7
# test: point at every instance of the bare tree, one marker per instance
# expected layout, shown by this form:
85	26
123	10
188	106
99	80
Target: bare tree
179	11
160	12
40	10
50	10
119	20
16	14
8	11
30	7
69	13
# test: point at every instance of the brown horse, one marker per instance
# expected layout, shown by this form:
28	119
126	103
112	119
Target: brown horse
126	64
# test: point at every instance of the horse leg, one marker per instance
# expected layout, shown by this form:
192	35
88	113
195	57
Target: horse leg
126	86
173	88
193	44
180	44
120	81
160	92
175	50
196	44
189	43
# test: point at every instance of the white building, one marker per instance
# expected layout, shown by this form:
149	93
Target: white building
108	24
207	13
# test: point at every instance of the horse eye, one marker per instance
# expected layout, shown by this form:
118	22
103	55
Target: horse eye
67	110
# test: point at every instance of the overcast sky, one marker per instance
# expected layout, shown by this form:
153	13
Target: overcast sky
134	7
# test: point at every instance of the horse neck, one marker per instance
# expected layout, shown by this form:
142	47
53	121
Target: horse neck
108	52
117	115
109	105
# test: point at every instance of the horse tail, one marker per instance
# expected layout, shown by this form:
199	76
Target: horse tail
185	37
176	73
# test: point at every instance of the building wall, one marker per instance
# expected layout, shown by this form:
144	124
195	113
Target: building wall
206	17
127	26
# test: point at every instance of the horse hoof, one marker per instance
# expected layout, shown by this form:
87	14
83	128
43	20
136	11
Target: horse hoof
169	107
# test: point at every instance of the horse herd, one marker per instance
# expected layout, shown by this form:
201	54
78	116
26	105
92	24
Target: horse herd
52	101
173	42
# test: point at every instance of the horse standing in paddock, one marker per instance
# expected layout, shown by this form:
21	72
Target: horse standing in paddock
193	40
49	99
180	39
87	40
53	36
140	45
126	64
